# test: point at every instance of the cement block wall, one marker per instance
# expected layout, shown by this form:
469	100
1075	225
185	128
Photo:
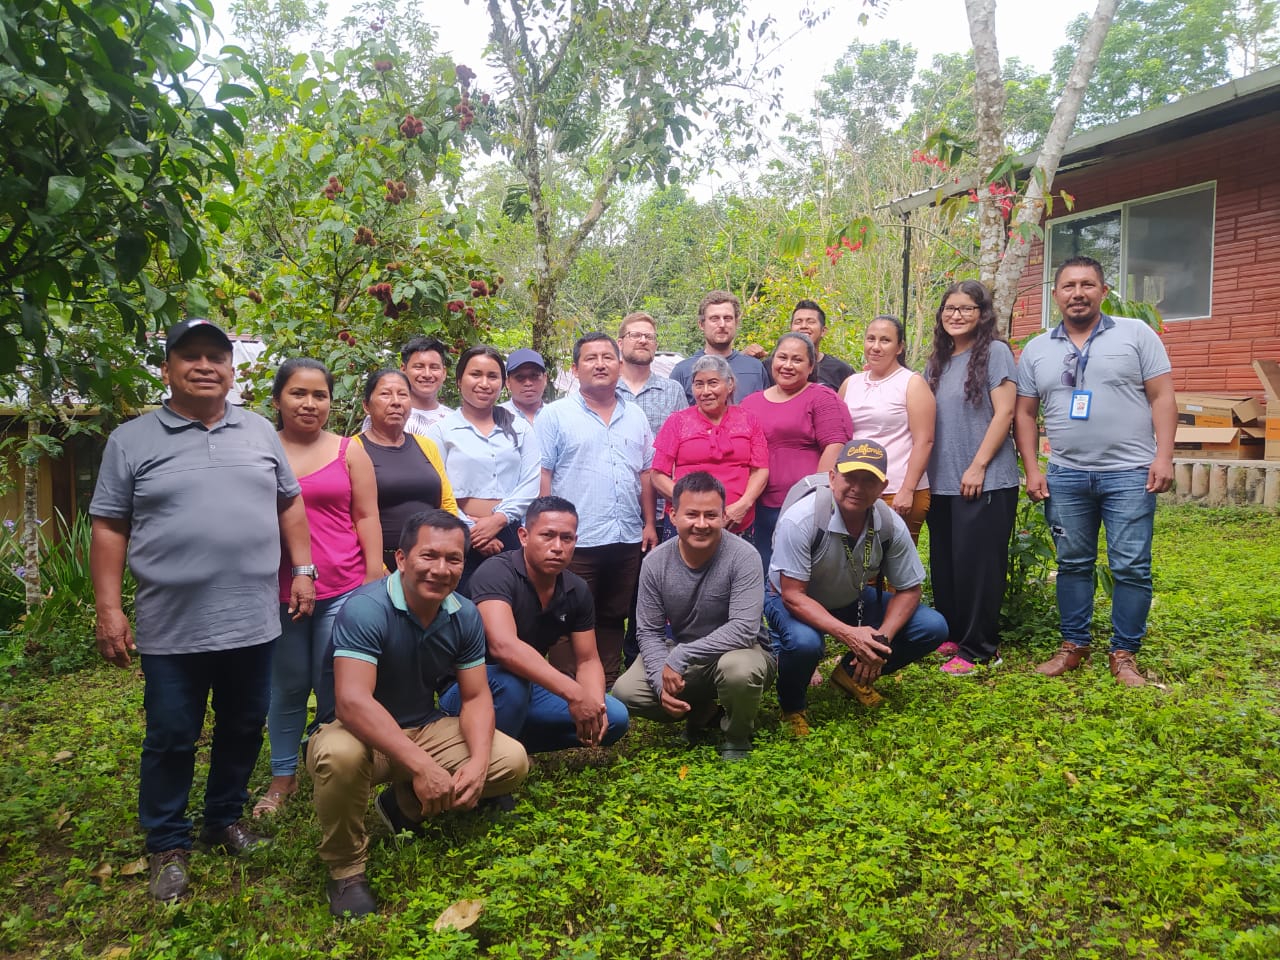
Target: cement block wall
1220	483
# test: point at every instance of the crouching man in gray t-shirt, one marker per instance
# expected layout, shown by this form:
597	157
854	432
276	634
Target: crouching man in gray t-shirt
706	585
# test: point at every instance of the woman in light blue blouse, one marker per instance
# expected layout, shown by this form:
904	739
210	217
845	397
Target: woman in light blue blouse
491	456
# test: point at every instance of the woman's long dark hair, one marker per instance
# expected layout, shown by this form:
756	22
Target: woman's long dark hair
285	373
503	418
975	383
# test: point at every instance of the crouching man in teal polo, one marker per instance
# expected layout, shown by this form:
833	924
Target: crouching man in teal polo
393	640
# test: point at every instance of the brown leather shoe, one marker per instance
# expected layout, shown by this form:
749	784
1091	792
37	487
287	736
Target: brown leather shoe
1125	669
1068	657
169	880
235	838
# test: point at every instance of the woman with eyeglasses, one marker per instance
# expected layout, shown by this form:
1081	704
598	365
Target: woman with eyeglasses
973	475
891	404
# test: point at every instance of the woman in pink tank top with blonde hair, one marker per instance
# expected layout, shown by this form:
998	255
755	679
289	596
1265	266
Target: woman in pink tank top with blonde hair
341	498
893	405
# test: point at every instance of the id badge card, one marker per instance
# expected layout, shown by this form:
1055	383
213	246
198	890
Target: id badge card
1081	401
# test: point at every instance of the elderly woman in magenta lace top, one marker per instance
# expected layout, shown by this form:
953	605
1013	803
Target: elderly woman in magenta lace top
715	436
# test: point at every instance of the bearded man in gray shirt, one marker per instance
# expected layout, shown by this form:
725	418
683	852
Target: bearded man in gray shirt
708	586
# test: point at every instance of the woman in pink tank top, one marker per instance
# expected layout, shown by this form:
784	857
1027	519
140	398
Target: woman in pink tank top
893	405
341	498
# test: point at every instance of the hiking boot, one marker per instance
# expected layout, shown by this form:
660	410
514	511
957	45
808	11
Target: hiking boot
502	803
351	897
169	880
796	723
389	812
1069	657
865	694
735	751
948	649
1125	669
234	838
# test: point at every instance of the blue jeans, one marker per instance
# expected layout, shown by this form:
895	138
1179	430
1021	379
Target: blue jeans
1080	500
534	715
766	523
297	668
799	647
174	701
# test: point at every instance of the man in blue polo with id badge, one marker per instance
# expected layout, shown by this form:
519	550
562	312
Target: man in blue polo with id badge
1110	415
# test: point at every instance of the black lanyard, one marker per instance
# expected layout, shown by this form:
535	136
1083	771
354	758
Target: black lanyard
860	579
1082	355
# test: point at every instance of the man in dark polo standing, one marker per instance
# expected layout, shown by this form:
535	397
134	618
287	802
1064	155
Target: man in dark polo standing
199	495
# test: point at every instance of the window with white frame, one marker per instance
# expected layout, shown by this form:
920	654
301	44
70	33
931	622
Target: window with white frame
1158	249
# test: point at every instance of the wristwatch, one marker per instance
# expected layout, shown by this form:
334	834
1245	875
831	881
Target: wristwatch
306	570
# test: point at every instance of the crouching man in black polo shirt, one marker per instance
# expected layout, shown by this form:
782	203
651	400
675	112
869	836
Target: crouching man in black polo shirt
529	599
392	640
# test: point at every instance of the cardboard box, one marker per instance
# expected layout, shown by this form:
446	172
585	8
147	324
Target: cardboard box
1219	443
1203	410
1268	372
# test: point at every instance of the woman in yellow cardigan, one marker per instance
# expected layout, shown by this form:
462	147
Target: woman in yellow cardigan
408	468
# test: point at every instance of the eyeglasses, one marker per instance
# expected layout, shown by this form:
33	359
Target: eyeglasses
967	311
642	337
1071	361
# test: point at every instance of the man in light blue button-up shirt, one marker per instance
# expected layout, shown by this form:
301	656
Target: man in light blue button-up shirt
596	453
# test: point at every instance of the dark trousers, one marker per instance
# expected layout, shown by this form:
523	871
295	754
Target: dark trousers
611	571
174	702
968	562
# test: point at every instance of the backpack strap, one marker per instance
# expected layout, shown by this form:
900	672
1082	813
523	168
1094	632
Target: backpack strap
823	506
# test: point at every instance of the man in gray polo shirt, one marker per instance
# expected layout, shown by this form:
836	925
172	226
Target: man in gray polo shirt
1109	411
199	495
708	587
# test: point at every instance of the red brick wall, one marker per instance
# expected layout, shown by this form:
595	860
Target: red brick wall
1209	355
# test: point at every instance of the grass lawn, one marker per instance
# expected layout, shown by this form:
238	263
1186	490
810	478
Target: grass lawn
1006	816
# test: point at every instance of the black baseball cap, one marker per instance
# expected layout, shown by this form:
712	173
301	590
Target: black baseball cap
179	331
864	455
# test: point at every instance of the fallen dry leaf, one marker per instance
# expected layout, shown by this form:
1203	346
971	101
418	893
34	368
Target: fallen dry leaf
459	915
134	867
62	817
62	756
1071	777
683	772
115	953
101	871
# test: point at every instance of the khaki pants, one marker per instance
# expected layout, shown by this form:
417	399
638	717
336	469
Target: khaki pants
343	770
737	680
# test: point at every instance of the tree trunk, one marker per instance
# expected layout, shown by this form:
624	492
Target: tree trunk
1005	288
31	518
988	97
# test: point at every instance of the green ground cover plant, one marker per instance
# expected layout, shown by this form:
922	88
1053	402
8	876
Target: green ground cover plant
1009	816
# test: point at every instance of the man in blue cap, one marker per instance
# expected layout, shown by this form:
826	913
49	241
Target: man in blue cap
526	382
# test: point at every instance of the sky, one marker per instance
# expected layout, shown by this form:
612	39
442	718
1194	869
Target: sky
931	26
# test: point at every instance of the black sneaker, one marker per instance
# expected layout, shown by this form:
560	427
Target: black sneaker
503	803
169	880
390	814
351	897
235	838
